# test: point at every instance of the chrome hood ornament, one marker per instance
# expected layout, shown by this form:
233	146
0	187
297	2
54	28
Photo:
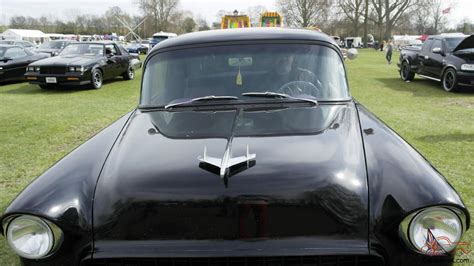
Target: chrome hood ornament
228	165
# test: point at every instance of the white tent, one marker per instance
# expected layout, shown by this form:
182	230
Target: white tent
35	36
403	40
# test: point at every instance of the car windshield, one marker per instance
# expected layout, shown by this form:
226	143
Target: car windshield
298	70
453	42
87	49
159	38
52	45
2	51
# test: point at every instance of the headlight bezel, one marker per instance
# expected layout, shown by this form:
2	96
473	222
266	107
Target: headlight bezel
76	69
405	225
57	235
467	67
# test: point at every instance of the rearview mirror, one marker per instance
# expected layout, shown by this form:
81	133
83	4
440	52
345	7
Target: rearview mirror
240	61
352	53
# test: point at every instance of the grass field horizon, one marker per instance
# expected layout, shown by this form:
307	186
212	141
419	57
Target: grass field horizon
38	127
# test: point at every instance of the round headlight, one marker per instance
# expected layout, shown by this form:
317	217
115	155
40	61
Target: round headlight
30	237
433	231
37	69
31	68
72	69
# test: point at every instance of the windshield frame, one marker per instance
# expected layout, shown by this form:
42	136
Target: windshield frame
329	45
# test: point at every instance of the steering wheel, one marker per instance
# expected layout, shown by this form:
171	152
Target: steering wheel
299	87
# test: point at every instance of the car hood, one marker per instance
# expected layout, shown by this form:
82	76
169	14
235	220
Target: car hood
467	43
303	175
66	60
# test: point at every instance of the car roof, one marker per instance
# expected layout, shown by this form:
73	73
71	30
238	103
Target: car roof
96	42
244	34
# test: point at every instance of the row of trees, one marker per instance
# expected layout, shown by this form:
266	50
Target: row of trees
381	18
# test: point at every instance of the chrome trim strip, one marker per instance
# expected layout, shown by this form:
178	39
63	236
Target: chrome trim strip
428	77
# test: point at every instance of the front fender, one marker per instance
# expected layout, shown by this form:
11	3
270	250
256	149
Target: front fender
64	193
400	181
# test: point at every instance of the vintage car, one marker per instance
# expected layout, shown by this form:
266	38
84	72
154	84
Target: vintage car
246	149
53	48
84	63
14	60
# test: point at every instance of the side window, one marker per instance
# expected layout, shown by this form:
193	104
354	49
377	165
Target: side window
427	45
112	48
437	44
15	53
116	49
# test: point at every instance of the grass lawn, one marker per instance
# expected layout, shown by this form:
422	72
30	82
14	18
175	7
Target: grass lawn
39	127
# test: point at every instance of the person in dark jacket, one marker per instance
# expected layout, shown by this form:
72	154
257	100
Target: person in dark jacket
388	56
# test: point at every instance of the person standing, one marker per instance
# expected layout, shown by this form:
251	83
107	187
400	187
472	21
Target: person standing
388	56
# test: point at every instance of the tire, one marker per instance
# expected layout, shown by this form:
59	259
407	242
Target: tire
405	73
449	80
97	79
129	74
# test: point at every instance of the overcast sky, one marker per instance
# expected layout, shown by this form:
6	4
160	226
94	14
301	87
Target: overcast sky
207	8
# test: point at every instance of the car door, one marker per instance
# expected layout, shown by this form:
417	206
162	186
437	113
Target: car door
434	63
114	60
18	63
423	57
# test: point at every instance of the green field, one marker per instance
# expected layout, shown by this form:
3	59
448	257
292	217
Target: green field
39	127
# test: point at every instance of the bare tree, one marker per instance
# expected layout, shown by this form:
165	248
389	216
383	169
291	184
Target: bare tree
353	10
303	13
387	14
254	13
160	11
437	15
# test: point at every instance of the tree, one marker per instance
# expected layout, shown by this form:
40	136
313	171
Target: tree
353	10
254	13
188	24
303	13
160	11
202	23
387	14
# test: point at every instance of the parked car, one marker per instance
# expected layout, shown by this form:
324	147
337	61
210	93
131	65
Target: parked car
84	63
246	148
14	60
136	48
53	48
161	36
445	58
23	44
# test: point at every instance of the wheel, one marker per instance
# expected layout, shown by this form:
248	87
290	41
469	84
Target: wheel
96	78
450	80
405	73
299	87
129	74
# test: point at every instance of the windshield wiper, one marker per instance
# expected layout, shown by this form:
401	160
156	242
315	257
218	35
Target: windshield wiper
270	94
203	98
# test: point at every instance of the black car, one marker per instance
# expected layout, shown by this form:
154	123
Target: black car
23	44
14	60
137	48
445	58
246	149
53	48
84	63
